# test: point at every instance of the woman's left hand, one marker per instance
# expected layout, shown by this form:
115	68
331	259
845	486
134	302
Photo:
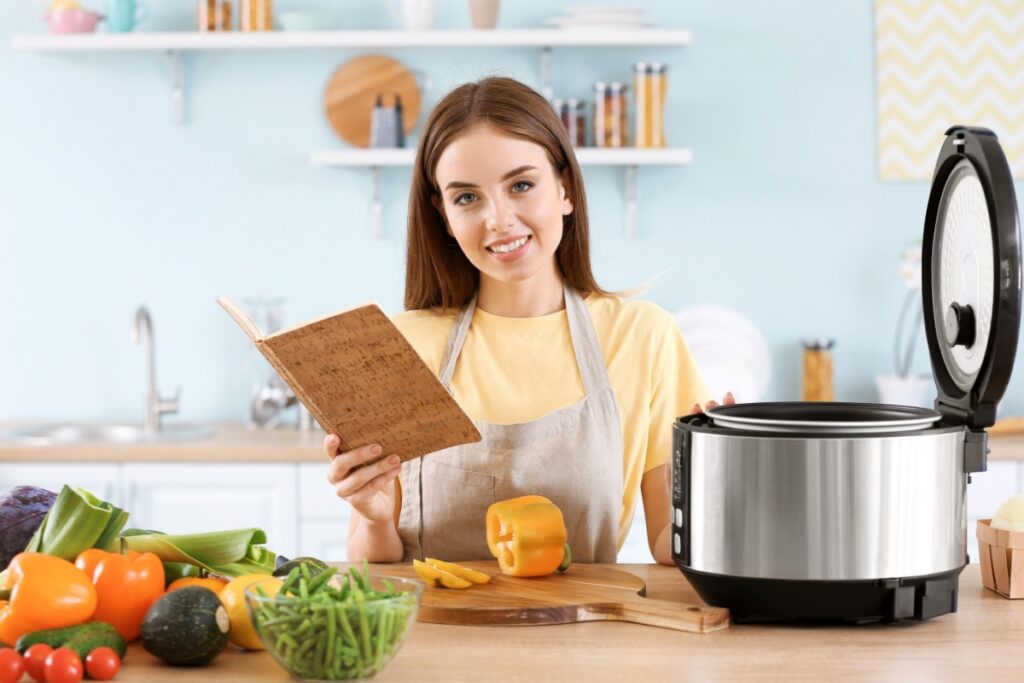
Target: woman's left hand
727	401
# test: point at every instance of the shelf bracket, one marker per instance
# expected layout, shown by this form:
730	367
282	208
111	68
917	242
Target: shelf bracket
376	208
631	201
546	88
177	86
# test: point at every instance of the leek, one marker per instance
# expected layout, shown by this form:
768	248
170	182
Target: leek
77	521
224	553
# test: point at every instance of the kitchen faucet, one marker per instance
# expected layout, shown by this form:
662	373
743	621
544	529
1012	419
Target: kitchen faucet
155	406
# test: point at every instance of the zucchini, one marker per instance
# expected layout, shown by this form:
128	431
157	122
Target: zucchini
82	638
186	627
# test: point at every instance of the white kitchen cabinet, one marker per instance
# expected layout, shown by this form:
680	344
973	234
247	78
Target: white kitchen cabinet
101	479
325	539
189	498
323	517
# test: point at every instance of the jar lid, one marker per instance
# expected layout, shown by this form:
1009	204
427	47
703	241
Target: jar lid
574	103
658	67
615	86
819	343
640	66
971	276
557	104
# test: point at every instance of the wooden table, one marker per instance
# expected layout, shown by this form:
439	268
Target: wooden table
984	641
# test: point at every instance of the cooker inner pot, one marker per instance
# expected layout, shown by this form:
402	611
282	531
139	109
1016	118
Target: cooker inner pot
850	418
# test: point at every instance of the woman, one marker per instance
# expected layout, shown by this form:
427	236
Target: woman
573	389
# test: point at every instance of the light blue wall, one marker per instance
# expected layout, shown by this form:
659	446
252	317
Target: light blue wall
104	204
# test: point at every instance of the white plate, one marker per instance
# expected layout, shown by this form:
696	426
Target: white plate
730	351
604	9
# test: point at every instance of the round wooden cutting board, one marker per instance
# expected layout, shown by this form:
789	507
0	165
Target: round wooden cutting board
353	89
583	593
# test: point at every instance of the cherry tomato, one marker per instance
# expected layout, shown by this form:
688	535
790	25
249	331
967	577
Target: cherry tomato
35	661
102	664
11	665
63	666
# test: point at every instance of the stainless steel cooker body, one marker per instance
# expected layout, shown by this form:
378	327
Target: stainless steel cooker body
819	508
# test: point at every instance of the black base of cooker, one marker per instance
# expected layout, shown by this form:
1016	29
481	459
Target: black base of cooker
759	600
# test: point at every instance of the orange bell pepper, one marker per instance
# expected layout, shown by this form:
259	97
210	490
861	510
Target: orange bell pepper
528	536
44	592
126	585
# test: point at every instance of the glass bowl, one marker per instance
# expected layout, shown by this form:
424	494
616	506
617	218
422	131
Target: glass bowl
329	639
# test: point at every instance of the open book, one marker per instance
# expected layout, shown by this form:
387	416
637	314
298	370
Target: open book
362	380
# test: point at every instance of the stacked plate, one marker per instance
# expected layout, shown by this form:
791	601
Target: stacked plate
730	351
601	17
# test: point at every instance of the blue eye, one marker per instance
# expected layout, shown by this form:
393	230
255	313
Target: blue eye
464	198
522	186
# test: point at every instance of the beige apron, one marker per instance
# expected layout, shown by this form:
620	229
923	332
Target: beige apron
572	456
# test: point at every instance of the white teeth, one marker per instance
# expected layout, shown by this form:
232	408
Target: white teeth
511	246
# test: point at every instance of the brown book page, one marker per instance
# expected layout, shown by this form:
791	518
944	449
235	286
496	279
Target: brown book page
362	380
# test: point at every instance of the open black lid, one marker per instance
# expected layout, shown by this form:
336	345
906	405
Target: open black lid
971	276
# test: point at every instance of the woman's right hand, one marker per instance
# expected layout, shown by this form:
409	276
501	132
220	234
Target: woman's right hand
367	489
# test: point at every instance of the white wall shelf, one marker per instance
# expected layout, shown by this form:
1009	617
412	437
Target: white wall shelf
294	40
629	157
175	44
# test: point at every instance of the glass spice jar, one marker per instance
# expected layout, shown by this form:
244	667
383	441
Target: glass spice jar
650	83
817	384
610	114
213	15
257	15
573	118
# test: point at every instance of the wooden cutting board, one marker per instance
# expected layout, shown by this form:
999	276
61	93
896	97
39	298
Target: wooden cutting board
583	593
353	89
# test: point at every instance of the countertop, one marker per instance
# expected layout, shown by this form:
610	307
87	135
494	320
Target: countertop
984	641
233	442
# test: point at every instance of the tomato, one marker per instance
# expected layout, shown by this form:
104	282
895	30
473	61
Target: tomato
35	661
11	665
102	664
63	666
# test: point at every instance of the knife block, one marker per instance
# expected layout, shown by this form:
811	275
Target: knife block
1002	559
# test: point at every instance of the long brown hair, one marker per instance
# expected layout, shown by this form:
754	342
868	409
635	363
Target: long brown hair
437	273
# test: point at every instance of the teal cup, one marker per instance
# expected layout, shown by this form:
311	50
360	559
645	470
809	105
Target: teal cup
124	15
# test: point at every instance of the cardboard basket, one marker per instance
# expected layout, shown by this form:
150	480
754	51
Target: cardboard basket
1002	559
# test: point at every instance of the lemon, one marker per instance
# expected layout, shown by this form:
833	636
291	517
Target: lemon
232	596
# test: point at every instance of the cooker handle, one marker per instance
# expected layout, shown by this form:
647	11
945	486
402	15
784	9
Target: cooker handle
975	451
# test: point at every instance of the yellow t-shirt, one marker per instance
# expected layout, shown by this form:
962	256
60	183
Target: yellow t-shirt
514	370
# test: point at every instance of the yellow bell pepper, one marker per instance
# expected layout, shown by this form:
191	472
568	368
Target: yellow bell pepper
528	536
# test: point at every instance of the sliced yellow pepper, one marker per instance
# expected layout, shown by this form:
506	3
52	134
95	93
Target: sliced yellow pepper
434	576
459	571
528	536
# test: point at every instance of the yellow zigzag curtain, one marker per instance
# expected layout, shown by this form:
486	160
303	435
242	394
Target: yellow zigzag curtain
943	62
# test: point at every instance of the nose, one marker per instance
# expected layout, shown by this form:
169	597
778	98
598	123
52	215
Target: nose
500	217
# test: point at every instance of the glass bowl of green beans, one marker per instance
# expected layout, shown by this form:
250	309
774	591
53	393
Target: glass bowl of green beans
334	626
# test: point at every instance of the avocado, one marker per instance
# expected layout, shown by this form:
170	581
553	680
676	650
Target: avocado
315	566
186	627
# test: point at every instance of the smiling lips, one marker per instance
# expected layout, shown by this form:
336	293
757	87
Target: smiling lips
508	245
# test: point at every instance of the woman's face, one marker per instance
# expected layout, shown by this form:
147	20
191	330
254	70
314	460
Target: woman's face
503	203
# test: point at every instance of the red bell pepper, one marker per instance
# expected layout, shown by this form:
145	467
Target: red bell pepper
126	585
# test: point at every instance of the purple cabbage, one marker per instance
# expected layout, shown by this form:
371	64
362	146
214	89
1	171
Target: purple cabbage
22	510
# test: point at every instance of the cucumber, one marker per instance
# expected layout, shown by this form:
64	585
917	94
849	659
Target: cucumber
186	627
315	566
83	638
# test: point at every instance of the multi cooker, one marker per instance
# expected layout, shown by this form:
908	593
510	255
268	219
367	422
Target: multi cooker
856	511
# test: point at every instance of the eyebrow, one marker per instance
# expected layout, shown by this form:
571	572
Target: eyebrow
513	172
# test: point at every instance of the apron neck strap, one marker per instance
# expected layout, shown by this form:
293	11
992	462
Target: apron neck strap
589	357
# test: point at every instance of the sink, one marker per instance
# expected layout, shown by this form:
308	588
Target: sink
96	433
